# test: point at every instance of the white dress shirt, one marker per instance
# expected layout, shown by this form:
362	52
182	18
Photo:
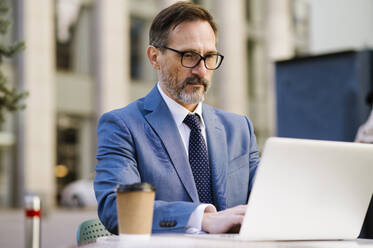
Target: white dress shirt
179	113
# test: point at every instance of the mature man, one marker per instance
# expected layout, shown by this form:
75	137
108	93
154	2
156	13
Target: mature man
201	160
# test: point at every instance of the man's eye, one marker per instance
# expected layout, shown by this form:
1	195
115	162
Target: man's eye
188	55
211	55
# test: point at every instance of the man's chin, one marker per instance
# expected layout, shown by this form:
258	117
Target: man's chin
192	98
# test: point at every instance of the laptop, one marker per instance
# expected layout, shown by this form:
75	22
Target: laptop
309	190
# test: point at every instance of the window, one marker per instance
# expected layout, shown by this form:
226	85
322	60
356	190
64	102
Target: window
138	27
300	11
67	164
248	10
73	36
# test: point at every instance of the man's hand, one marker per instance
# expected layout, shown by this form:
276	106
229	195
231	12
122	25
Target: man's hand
228	220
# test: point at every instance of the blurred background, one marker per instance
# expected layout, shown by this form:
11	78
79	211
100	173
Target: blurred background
297	68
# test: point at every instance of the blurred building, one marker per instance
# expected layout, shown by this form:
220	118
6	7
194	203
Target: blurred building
85	57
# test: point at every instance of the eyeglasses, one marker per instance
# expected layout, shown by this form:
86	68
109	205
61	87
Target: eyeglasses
190	59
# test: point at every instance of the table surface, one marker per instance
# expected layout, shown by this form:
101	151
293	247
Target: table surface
161	241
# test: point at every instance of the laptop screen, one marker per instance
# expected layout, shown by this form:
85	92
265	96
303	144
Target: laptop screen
308	189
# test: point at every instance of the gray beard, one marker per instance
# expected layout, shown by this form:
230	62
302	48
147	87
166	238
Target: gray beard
179	94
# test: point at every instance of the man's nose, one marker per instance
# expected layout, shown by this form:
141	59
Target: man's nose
200	69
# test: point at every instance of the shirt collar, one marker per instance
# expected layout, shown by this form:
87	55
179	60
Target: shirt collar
178	111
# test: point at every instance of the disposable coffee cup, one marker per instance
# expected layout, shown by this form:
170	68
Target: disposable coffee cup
135	205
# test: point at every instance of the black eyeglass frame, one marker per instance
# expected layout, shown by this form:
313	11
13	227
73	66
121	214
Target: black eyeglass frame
181	53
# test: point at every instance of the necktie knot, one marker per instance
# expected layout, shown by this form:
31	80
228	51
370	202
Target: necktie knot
192	121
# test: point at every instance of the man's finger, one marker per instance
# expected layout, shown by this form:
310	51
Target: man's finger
239	210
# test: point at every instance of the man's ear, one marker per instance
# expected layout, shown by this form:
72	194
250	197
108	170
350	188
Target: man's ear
153	56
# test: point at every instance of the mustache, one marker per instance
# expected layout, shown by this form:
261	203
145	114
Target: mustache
196	79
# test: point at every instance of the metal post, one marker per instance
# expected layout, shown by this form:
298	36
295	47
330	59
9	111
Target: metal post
32	222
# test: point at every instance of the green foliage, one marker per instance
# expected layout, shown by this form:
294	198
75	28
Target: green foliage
10	98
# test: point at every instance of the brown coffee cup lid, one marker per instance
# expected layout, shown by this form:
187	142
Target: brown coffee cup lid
135	187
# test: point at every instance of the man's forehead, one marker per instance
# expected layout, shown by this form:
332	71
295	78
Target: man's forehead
193	33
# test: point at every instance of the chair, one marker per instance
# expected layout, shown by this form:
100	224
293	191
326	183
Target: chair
89	230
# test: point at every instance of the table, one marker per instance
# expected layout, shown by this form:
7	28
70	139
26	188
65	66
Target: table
161	241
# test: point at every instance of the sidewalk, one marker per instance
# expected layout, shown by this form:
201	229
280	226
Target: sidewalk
58	228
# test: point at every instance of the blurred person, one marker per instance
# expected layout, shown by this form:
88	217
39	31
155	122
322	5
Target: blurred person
365	132
365	135
201	160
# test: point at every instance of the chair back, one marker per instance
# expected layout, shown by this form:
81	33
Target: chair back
89	230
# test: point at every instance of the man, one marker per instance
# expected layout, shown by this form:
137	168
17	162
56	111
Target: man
365	135
201	160
365	132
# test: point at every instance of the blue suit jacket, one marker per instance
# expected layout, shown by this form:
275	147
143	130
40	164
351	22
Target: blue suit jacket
141	143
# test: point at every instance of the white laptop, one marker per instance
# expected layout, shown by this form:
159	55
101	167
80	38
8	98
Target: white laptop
309	190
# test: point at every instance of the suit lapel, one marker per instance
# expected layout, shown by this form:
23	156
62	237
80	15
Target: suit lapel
161	120
217	148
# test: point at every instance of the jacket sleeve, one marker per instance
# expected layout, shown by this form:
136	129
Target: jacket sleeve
254	155
116	156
